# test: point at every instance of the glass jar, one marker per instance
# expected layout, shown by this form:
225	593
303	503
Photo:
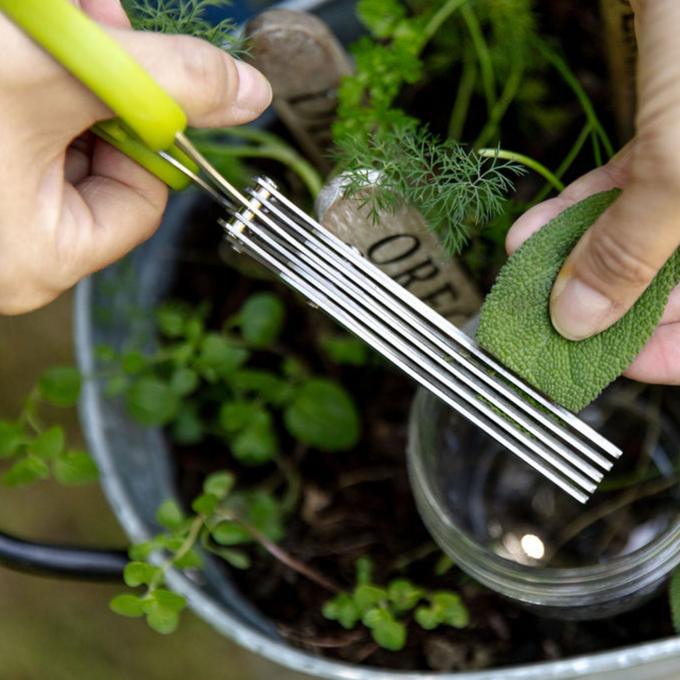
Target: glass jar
514	531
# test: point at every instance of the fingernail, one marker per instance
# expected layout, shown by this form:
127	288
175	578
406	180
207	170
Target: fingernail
578	311
254	91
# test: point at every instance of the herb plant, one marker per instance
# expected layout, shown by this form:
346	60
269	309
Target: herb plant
487	43
222	520
386	610
204	383
36	451
186	17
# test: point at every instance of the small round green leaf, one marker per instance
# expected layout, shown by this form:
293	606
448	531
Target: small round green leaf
346	350
257	443
376	616
322	414
427	617
190	560
151	402
134	362
60	385
73	468
368	596
403	594
236	414
219	483
453	611
237	558
261	319
221	355
205	504
12	438
127	605
162	610
25	472
169	514
263	383
184	381
141	551
48	444
188	428
115	386
390	635
171	319
105	354
343	610
230	533
163	621
140	573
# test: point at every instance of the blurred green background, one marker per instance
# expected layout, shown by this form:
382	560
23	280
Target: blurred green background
61	630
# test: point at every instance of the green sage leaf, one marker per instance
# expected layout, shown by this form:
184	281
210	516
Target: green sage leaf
515	321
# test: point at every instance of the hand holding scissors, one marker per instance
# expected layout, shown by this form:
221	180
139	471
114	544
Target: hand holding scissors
70	202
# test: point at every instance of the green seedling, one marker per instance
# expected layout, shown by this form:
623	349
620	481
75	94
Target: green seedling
38	452
202	383
385	610
222	522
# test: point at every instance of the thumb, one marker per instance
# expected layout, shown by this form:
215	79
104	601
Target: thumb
620	254
618	257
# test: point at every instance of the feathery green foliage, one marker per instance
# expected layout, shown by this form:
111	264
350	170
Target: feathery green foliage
454	188
186	17
515	319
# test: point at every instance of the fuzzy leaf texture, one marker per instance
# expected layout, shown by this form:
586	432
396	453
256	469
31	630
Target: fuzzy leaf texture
515	320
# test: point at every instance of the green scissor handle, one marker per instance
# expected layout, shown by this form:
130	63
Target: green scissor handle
149	119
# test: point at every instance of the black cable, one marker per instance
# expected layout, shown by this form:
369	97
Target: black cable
60	561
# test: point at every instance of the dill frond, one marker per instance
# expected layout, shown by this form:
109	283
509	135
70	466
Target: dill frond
186	17
454	188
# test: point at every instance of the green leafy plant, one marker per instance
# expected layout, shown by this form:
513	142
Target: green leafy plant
186	17
204	383
458	187
36	451
223	520
385	610
515	320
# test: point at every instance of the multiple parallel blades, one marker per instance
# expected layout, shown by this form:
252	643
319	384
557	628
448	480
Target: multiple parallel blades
337	279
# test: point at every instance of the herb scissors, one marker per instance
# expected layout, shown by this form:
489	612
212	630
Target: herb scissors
150	125
333	276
